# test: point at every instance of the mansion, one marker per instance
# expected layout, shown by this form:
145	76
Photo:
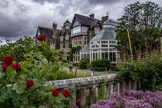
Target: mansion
96	37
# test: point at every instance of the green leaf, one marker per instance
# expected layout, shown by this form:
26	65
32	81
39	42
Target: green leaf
15	86
20	89
2	75
11	73
41	106
54	88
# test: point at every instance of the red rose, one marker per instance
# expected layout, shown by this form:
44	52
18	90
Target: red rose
55	93
29	83
40	38
4	67
16	66
78	101
7	60
66	93
60	58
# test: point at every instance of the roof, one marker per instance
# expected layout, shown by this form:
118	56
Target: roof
86	48
87	21
48	32
105	33
110	22
65	31
67	21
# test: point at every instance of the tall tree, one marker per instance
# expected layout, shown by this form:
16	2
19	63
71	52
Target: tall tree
141	19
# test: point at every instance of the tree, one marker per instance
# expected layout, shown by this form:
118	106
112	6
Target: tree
141	19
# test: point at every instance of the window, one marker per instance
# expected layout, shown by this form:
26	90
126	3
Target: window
76	30
112	45
106	55
97	30
104	45
112	57
85	42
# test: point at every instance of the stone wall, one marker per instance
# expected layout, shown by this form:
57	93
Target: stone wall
89	87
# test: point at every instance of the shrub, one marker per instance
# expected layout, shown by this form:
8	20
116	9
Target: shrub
100	64
22	47
22	84
76	64
63	60
83	63
62	74
148	70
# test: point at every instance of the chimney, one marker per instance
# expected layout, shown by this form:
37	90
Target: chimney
91	16
64	27
104	18
54	30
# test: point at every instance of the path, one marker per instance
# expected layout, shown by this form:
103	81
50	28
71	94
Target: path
87	71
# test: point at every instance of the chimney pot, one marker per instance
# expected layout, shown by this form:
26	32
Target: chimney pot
92	16
104	18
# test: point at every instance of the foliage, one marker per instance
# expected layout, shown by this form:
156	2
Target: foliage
83	63
63	60
20	48
100	64
62	74
46	51
101	94
141	20
131	99
148	70
17	49
60	53
76	64
29	86
73	50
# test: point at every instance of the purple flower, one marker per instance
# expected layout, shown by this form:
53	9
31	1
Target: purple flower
74	106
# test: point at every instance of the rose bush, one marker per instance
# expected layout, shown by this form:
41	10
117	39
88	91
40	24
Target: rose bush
29	83
78	101
66	93
55	93
41	38
16	66
4	66
7	60
24	85
22	47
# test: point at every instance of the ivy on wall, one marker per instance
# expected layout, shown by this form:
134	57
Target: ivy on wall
73	50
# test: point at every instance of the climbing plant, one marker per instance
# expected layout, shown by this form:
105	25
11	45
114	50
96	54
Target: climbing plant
73	50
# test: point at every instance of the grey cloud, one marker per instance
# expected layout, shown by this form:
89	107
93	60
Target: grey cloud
24	23
4	3
43	1
22	8
103	1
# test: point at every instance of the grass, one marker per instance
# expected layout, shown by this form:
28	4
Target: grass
62	74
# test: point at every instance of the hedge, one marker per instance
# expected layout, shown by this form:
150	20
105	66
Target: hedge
100	64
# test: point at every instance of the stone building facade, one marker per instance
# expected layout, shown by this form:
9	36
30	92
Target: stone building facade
77	33
83	29
58	39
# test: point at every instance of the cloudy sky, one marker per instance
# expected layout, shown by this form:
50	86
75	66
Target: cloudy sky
19	18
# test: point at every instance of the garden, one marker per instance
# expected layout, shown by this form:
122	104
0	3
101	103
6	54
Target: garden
32	74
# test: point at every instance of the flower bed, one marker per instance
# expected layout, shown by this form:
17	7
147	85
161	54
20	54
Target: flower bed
131	99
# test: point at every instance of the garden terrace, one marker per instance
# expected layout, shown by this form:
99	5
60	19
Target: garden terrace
88	87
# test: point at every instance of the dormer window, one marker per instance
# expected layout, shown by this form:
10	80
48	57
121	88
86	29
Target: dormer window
76	30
